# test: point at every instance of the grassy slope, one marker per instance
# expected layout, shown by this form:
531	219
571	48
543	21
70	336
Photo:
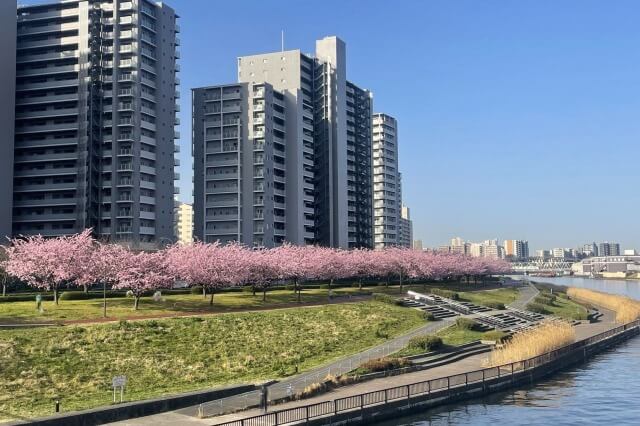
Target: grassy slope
20	312
565	308
77	363
503	295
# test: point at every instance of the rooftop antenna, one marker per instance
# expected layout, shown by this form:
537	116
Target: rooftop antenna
282	40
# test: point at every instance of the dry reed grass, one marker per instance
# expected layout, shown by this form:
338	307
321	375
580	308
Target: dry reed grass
549	335
626	309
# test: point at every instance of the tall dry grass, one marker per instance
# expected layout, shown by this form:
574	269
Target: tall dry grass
626	309
549	335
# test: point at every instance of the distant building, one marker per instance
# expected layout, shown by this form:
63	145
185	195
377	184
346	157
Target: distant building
492	250
183	223
630	252
559	253
609	249
516	249
608	266
417	245
590	249
476	250
544	254
405	237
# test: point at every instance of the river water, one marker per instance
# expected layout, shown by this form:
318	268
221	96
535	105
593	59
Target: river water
605	390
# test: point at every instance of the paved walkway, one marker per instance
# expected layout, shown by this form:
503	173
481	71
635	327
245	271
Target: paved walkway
527	294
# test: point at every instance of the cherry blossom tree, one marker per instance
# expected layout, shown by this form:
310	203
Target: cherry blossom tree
48	264
142	272
213	266
263	269
296	263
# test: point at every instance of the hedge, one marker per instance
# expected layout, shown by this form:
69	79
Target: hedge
466	324
427	343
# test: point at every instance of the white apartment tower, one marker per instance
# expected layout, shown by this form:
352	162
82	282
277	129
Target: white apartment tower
94	120
386	181
285	153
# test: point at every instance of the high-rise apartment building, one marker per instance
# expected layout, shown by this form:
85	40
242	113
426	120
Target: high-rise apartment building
386	181
284	154
609	249
516	249
405	236
95	114
590	249
183	223
7	112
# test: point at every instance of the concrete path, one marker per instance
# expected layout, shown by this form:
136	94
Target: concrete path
527	294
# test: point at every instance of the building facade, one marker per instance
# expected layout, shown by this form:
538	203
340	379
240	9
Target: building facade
405	236
183	223
386	181
95	114
7	112
291	145
516	249
609	249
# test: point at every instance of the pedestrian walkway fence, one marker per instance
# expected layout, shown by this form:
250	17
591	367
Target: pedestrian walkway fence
425	388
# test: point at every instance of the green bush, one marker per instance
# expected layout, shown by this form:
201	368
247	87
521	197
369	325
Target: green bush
382	364
74	295
290	287
428	316
545	299
466	324
495	335
24	298
445	293
494	305
426	343
537	308
385	298
324	286
196	289
247	289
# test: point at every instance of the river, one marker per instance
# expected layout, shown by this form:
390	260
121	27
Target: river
605	390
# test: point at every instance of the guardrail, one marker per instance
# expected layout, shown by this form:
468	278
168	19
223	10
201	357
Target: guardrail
424	388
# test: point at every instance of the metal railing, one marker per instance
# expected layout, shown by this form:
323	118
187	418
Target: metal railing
427	387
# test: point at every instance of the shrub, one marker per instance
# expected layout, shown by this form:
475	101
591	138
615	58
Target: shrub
382	364
385	298
290	287
427	343
196	289
445	293
495	305
545	299
247	289
495	335
428	316
24	298
537	308
466	324
74	295
324	286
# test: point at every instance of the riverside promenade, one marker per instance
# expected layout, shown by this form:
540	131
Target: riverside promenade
188	416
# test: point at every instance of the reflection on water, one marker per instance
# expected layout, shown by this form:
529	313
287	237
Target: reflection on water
605	390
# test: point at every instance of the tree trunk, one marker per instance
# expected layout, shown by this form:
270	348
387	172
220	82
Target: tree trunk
136	299
211	300
297	288
85	288
330	284
204	293
360	283
55	295
386	284
400	281
253	288
4	289
264	294
104	299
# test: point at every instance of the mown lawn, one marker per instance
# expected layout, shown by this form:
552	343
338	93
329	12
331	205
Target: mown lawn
563	307
76	363
503	295
456	336
117	308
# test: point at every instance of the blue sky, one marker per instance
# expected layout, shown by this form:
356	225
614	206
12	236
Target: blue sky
517	119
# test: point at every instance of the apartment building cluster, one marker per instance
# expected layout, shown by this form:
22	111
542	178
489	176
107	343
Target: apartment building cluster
294	152
95	89
603	249
510	249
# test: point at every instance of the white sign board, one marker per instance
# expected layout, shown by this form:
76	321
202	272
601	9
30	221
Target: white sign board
119	381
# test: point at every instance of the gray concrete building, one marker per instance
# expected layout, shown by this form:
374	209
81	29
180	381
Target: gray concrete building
609	249
96	92
7	111
386	181
290	178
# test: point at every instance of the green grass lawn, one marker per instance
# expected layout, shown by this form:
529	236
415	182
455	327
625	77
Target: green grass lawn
564	308
455	336
76	363
68	310
502	295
